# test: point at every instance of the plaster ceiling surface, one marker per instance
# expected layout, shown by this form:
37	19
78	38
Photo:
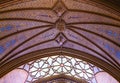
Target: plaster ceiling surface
30	25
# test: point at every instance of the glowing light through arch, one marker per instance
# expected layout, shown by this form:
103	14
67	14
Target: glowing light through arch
59	64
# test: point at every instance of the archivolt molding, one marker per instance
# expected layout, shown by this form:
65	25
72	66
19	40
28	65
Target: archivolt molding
57	51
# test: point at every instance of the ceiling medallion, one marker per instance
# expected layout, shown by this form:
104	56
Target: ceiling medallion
59	9
60	39
60	25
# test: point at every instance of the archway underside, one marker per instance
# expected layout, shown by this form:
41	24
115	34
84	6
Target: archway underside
60	79
58	51
84	29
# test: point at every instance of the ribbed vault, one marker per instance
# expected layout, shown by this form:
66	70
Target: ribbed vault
85	26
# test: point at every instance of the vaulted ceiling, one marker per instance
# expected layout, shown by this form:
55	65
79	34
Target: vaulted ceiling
29	26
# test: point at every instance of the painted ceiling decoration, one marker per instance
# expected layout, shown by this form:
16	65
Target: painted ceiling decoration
28	27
